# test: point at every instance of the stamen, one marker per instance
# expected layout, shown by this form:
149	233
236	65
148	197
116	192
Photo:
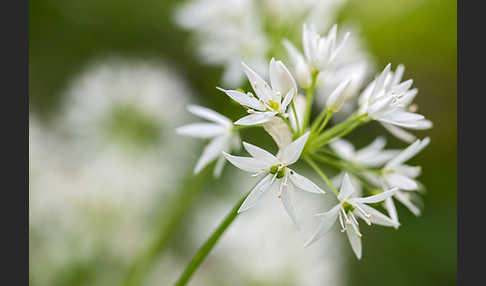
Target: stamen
362	211
250	94
345	217
251	111
343	228
353	218
413	107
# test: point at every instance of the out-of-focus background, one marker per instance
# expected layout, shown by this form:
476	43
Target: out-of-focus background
109	81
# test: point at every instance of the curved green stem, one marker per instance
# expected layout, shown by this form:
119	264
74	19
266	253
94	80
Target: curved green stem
208	245
296	117
321	173
178	207
329	114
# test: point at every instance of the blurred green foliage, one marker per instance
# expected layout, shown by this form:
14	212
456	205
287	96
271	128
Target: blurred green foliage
67	35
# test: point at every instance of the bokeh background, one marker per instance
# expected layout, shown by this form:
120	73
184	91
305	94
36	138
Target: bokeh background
76	47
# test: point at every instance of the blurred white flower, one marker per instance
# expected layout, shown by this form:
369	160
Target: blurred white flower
345	212
372	155
223	137
272	100
387	100
228	32
100	170
274	167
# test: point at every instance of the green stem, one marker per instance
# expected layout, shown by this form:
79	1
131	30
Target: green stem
296	117
178	207
208	245
337	131
321	173
318	120
308	104
329	114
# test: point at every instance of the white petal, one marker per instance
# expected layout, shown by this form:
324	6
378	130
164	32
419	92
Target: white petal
246	163
211	152
303	183
355	242
401	181
261	88
218	169
280	78
377	198
287	99
258	191
244	99
392	211
399	133
376	216
201	130
260	154
347	188
401	197
291	153
408	153
287	203
209	114
398	74
340	47
256	118
279	131
343	148
327	221
337	98
302	71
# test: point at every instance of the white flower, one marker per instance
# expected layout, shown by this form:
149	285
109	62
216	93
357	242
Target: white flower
275	168
346	211
222	31
223	137
397	174
372	155
269	100
319	53
386	100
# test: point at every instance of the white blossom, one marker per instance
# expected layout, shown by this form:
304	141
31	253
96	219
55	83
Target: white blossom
220	131
274	168
270	100
388	100
372	155
346	211
319	53
398	174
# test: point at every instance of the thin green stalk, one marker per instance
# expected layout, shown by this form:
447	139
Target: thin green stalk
336	132
321	173
173	217
296	117
329	114
208	245
318	120
308	105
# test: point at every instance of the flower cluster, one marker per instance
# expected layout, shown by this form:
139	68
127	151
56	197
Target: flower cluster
369	180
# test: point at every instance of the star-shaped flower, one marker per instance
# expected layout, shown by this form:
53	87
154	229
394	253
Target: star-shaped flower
223	137
386	100
346	211
270	100
319	53
275	169
397	174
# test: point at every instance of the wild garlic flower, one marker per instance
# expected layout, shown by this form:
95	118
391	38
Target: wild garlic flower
346	211
388	100
270	100
220	131
372	155
275	168
319	53
398	174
